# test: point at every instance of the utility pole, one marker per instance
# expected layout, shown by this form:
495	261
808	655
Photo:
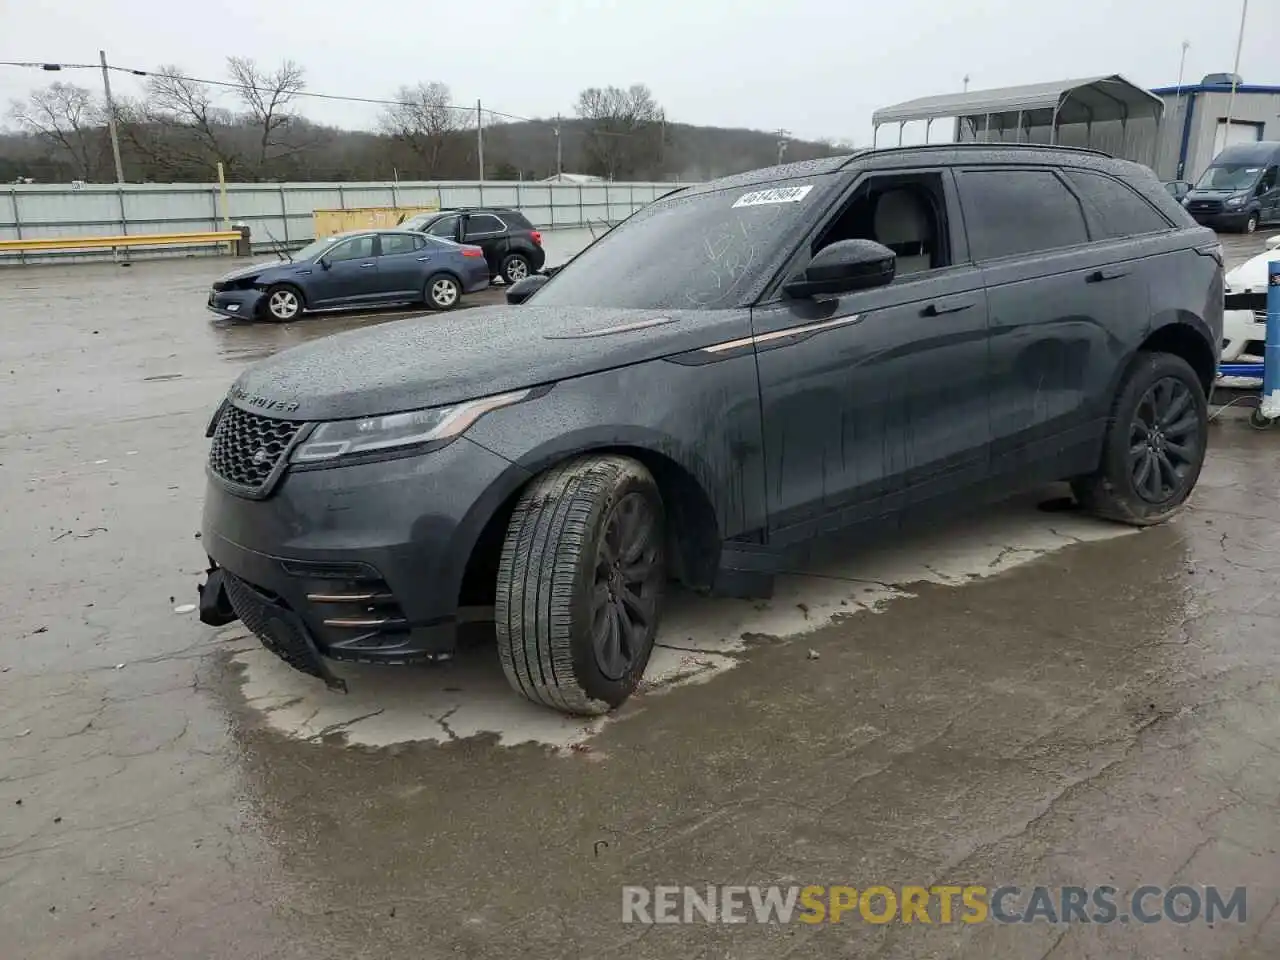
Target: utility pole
559	154
1235	72
1178	105
966	83
111	117
480	138
782	143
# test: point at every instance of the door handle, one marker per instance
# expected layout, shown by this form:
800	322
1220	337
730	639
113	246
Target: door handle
369	264
423	259
939	307
1106	273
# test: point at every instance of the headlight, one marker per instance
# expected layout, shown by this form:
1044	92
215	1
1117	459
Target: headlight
395	431
1186	201
1234	201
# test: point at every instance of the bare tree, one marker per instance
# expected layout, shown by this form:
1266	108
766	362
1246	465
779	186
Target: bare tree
268	95
178	124
423	120
626	129
69	119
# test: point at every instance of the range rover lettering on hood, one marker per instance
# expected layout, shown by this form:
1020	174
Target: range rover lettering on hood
262	403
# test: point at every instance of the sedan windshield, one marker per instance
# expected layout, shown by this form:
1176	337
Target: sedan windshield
315	248
1229	176
707	251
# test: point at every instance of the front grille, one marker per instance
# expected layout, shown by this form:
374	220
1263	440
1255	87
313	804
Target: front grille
247	447
1205	206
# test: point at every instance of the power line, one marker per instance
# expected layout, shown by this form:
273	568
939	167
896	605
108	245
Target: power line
232	85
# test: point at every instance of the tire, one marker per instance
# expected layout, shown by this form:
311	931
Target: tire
515	268
282	303
1161	418
1251	224
442	292
559	593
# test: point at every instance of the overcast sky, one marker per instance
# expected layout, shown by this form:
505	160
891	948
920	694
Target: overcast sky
815	67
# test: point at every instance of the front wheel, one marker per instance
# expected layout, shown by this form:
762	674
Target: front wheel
580	583
443	292
1155	444
1251	224
284	303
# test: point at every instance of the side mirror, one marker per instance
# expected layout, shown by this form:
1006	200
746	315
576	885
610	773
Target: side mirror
842	267
522	290
324	263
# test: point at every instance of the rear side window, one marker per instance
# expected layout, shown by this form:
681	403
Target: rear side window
398	243
1116	210
1010	212
483	224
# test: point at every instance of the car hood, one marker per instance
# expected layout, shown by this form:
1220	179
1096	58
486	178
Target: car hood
241	273
437	360
1251	276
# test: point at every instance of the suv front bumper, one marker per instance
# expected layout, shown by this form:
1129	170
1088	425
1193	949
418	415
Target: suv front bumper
362	562
1227	220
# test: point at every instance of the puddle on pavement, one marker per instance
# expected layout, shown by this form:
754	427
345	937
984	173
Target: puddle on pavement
700	638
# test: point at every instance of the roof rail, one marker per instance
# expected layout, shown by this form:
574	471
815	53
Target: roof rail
983	145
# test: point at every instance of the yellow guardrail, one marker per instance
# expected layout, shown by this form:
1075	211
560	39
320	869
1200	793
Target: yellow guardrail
39	244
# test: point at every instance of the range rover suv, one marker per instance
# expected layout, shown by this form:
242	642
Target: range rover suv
739	369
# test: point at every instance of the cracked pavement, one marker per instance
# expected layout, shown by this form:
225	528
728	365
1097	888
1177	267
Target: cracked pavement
1103	710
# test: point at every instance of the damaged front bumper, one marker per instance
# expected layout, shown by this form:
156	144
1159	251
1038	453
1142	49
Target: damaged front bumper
280	629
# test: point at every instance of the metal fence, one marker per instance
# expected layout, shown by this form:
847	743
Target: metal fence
282	212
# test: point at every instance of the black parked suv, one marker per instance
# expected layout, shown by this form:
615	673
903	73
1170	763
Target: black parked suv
511	244
739	369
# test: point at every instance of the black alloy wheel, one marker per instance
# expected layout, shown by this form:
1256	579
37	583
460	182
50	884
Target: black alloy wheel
1163	440
627	586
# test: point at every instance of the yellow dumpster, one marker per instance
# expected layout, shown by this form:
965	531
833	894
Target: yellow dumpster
329	222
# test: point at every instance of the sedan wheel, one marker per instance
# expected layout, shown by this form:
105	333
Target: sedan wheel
283	303
443	293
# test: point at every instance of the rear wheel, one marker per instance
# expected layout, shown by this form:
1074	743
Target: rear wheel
283	303
442	292
1155	444
515	268
580	583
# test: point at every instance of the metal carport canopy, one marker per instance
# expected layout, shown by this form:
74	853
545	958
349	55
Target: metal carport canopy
1087	100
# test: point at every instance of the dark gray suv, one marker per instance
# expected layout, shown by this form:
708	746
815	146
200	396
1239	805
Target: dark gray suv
738	370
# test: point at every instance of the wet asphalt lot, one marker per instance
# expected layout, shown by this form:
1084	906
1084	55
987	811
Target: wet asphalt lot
1021	697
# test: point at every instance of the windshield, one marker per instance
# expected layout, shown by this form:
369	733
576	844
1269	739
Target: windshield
1230	176
417	221
315	248
702	252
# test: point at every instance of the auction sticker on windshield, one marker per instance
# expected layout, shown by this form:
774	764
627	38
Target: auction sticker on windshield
777	195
